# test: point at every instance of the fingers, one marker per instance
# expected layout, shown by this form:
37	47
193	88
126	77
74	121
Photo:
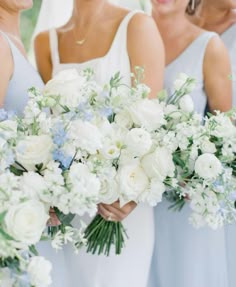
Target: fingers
107	214
53	220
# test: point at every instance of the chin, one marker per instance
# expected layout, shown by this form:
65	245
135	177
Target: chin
24	4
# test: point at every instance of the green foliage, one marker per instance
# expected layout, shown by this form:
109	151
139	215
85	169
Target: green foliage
28	22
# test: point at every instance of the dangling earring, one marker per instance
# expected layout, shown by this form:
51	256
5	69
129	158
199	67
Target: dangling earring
193	5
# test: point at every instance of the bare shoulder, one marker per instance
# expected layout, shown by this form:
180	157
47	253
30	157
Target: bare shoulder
42	39
141	22
215	49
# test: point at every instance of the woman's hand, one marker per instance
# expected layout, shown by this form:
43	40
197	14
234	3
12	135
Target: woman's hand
53	220
114	212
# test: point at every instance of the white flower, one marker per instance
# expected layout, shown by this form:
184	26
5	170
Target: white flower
181	81
173	111
132	181
207	166
154	194
159	164
67	86
5	278
8	129
26	221
148	114
123	119
197	220
34	150
35	186
215	221
86	136
39	270
186	104
138	142
208	147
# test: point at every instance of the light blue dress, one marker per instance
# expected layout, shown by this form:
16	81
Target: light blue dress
229	40
184	256
24	76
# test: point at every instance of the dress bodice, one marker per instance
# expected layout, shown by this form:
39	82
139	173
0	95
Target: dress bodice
229	39
24	76
190	62
116	59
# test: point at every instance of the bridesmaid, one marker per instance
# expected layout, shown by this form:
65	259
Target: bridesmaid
220	16
16	74
123	40
184	256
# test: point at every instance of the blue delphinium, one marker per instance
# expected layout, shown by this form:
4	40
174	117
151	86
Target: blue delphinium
59	134
6	115
64	160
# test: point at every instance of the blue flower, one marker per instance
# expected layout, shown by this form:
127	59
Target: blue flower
64	160
106	111
59	135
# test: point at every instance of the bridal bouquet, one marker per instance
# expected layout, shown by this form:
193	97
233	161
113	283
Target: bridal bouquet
205	162
124	139
22	218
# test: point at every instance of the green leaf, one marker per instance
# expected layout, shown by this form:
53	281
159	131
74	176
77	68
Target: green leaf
64	219
33	250
16	171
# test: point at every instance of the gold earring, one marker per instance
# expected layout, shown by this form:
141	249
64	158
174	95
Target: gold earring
193	5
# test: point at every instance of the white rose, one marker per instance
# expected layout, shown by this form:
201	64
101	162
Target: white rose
86	136
138	142
159	164
207	166
147	113
34	150
35	186
186	104
123	119
109	191
208	147
26	221
154	194
66	86
132	181
39	270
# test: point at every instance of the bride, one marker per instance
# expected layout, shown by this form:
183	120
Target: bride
108	39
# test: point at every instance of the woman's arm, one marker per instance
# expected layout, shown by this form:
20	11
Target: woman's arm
145	49
6	67
216	72
43	56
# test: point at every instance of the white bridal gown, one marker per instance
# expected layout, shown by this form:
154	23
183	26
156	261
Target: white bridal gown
131	268
184	256
229	40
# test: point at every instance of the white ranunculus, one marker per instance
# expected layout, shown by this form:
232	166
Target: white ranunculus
186	104
207	166
208	147
132	181
147	113
159	164
138	142
39	270
86	136
34	150
154	194
26	221
35	186
123	119
110	151
66	86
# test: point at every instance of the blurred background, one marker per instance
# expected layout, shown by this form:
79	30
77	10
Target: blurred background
29	18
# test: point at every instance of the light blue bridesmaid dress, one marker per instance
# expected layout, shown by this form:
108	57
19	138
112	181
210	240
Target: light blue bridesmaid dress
183	255
24	76
229	39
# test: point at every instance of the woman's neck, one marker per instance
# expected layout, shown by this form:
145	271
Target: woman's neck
171	27
214	18
85	12
9	23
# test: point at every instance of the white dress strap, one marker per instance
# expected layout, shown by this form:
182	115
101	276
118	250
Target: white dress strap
120	40
53	41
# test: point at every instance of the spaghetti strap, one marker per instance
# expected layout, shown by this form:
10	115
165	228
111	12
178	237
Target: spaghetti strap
53	41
